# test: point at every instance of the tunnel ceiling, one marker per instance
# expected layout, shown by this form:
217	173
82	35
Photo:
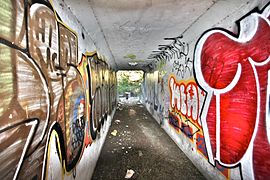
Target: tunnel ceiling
133	29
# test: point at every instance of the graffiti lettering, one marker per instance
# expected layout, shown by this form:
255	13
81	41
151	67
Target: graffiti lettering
44	37
102	82
68	54
185	98
182	64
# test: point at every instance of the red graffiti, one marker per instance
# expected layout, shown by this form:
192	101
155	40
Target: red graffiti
234	72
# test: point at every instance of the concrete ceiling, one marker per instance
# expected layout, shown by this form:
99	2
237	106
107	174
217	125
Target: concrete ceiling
134	28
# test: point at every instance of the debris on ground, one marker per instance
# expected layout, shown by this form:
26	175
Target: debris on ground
132	112
126	126
129	173
117	121
146	139
119	106
114	132
139	103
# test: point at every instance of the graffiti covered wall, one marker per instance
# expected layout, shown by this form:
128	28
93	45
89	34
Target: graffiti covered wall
216	96
56	100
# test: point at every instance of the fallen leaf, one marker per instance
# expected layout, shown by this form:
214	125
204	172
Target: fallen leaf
129	173
114	132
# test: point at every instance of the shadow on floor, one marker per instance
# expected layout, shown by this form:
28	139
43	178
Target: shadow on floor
141	145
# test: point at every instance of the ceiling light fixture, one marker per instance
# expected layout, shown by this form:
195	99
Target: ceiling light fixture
133	63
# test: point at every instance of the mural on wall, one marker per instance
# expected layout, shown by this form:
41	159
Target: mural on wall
156	88
178	52
184	109
100	83
161	96
45	89
234	72
149	86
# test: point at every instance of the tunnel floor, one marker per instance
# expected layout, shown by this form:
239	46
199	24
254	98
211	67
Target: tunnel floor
142	145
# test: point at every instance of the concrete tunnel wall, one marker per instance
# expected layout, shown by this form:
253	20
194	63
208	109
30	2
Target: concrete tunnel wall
209	90
58	92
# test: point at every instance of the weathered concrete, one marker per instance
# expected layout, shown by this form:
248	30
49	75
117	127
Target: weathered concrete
141	145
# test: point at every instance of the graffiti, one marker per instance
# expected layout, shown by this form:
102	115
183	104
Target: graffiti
45	89
201	147
182	65
268	108
155	94
101	94
149	84
184	111
156	88
44	37
161	96
234	71
128	29
185	98
180	125
178	51
12	15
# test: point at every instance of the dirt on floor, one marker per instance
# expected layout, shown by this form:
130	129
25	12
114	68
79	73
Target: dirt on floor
136	142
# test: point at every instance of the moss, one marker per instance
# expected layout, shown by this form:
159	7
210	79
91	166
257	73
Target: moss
130	56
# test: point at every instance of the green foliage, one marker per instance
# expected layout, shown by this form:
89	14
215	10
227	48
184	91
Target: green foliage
127	82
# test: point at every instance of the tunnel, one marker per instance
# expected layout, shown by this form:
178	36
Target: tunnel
201	111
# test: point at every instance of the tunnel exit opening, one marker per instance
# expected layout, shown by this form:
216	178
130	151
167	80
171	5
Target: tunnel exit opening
129	86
